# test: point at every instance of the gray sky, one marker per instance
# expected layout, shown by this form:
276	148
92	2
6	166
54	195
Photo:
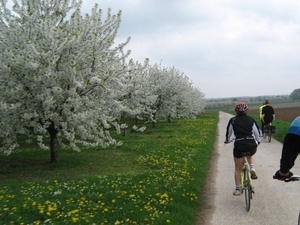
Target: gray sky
227	48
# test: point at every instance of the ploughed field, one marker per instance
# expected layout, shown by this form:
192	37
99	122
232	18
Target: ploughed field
285	113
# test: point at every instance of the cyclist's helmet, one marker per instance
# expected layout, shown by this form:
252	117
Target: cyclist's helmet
241	108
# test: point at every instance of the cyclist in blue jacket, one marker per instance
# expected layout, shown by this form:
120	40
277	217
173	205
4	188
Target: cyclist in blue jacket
290	150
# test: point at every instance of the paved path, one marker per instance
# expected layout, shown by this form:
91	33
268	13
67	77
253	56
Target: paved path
274	202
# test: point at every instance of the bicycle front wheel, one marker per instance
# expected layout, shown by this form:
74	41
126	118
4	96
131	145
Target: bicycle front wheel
247	189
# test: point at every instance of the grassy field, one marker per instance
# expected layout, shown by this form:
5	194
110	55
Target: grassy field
155	177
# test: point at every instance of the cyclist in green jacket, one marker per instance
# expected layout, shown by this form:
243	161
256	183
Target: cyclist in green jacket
260	117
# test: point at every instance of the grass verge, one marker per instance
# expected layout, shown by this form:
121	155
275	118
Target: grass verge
155	177
281	127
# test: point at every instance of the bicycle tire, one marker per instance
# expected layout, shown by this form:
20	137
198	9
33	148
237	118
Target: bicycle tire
247	190
269	134
299	219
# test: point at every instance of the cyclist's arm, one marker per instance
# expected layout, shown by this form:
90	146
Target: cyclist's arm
257	127
263	118
255	131
273	113
229	131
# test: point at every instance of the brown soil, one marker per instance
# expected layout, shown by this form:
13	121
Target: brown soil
286	114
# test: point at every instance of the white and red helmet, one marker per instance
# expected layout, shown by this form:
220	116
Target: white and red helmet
241	108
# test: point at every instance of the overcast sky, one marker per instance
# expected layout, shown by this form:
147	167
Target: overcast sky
227	48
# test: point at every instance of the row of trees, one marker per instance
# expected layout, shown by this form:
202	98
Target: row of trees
62	75
221	102
258	100
295	95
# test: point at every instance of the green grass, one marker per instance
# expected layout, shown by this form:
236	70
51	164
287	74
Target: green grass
155	177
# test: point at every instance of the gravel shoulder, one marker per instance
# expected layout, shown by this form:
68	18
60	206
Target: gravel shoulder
274	202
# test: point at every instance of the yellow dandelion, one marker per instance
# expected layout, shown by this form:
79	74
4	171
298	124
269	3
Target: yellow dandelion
165	195
131	196
52	208
75	219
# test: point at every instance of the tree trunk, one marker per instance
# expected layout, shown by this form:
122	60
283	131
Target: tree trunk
153	123
53	143
53	148
124	131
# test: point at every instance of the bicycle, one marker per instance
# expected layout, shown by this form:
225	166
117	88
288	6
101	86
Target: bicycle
246	181
268	130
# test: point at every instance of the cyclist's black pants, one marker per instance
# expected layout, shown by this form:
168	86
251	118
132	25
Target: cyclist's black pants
246	145
290	151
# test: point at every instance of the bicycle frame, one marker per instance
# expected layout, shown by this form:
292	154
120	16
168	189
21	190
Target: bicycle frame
244	171
246	182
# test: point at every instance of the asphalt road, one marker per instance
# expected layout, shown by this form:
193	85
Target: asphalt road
274	202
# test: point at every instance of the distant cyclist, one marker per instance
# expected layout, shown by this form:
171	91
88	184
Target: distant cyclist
260	117
290	150
247	138
268	114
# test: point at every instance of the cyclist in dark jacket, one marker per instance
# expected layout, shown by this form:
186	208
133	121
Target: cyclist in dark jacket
268	114
246	139
290	150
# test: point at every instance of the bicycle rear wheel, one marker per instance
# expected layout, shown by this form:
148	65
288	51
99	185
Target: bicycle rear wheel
269	134
248	190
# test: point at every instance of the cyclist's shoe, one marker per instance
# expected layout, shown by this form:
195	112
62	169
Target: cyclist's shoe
253	174
278	176
237	192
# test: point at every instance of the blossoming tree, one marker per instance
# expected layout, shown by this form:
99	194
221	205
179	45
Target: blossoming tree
176	96
55	67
